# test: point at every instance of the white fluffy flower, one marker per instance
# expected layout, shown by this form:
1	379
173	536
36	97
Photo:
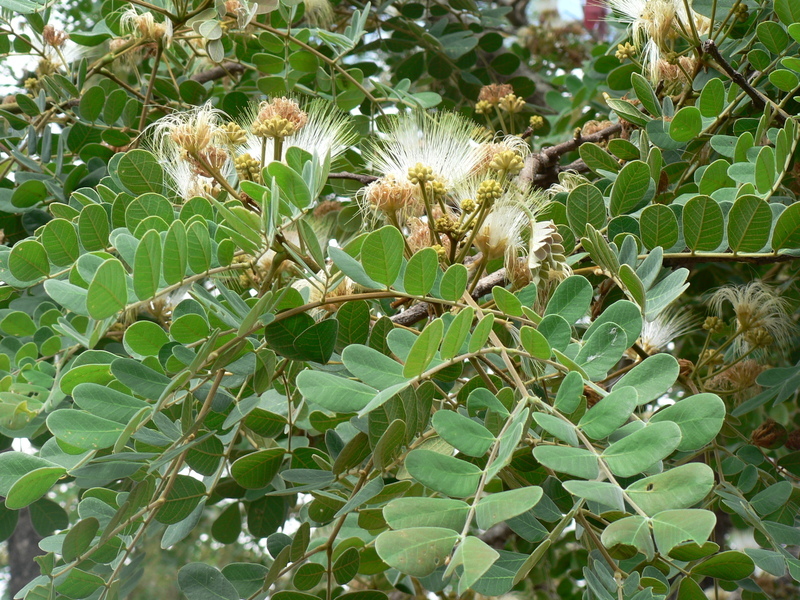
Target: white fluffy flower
670	324
447	143
327	130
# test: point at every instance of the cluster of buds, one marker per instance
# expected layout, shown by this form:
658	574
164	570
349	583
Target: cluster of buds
468	205
625	51
278	118
445	224
54	37
536	122
247	167
234	134
419	174
512	104
489	191
713	324
508	162
758	337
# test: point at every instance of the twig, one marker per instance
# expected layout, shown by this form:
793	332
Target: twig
759	101
685	258
365	179
218	72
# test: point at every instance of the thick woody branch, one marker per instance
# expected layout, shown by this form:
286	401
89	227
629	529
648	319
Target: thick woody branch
223	70
541	168
686	259
759	101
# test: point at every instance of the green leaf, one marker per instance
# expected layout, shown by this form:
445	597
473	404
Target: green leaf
481	333
424	349
145	338
681	487
597	159
108	291
749	223
453	283
630	188
457	333
585	205
461	432
569	393
382	254
334	393
630	531
652	377
372	367
645	94
507	302
316	344
611	413
788	12
700	418
60	240
602	350
346	566
499	507
673	527
182	499
140	172
417	551
686	124
79	538
421	272
559	428
28	261
200	581
659	227
256	470
93	227
534	343
404	513
571	299
476	557
176	247
731	566
445	474
572	461
32	486
765	165
291	184
712	98
83	429
147	265
625	314
787	228
642	449
602	492
703	224
773	36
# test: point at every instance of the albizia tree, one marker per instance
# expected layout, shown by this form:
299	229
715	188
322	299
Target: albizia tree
342	300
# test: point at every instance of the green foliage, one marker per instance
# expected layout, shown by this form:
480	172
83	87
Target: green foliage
263	339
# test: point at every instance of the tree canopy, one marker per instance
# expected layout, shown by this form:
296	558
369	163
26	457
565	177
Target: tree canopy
317	300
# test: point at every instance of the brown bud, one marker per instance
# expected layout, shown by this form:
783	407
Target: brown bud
770	434
793	443
592	397
686	367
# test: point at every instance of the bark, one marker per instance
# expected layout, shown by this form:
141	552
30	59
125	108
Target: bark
23	547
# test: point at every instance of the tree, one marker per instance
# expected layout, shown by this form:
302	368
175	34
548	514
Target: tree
334	300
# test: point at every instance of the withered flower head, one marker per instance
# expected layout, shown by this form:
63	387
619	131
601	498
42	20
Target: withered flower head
495	92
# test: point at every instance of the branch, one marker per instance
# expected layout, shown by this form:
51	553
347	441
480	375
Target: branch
365	179
418	312
218	72
542	167
759	100
685	258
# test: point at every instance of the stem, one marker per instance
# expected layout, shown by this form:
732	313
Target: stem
150	85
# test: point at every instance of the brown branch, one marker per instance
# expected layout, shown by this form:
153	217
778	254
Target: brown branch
685	259
420	311
223	70
365	179
759	101
541	168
